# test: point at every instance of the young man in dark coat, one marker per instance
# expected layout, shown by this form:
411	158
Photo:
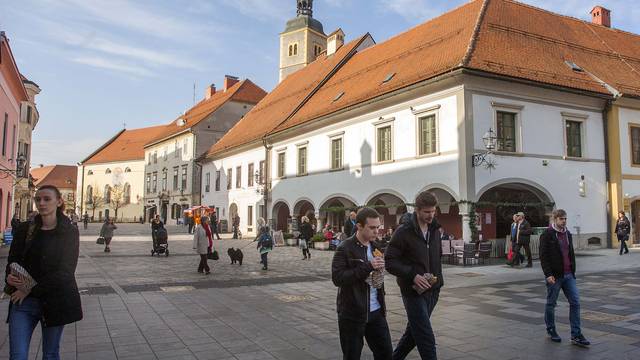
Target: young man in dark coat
523	238
558	263
413	256
357	271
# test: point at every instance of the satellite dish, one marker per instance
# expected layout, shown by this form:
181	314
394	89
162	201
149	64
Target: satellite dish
180	122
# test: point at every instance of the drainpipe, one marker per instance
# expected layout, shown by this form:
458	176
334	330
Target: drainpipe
267	179
82	193
605	112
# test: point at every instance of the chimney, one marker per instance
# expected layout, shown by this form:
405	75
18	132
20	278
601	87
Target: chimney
229	81
601	16
335	41
209	91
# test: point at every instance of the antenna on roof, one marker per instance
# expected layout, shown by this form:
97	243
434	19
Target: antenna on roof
124	124
194	93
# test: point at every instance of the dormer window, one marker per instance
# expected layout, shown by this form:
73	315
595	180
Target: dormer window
127	170
90	172
108	171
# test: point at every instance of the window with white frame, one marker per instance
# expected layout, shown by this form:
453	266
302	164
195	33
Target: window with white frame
165	152
207	182
184	177
427	134
176	149
229	175
148	182
634	140
185	147
574	137
384	143
302	160
238	177
336	153
506	131
155	182
164	179
175	177
250	174
217	180
249	215
281	164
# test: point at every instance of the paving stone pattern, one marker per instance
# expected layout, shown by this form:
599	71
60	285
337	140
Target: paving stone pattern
139	307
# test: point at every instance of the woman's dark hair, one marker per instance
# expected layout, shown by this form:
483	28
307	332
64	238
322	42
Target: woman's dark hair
622	212
60	210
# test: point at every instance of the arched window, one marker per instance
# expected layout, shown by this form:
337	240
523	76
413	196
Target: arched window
90	172
127	170
89	195
295	49
126	194
108	171
107	194
290	50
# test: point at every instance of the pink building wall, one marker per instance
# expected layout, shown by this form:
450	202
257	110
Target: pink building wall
12	94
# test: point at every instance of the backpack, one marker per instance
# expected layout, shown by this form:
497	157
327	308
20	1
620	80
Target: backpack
267	240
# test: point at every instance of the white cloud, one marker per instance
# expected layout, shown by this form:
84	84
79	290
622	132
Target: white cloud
130	15
109	64
263	10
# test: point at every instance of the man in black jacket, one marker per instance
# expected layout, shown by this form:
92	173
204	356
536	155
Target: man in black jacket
558	263
350	225
356	271
523	238
413	256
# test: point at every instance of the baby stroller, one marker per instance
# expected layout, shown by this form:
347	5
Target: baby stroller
160	245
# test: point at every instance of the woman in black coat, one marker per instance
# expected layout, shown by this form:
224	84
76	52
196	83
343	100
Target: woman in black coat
306	233
47	248
623	228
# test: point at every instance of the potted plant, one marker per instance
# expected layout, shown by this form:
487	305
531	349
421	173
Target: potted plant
319	242
290	240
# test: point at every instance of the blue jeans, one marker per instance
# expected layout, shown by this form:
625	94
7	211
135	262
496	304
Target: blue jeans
22	321
568	285
418	332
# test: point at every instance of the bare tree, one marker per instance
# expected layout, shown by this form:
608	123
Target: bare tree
94	201
117	199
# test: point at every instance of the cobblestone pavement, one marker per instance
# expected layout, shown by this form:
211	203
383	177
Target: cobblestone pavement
143	307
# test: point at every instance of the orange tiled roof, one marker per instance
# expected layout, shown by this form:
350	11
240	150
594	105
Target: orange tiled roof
282	101
244	91
60	176
126	145
502	37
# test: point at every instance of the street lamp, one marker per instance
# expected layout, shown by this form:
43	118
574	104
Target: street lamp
490	142
19	171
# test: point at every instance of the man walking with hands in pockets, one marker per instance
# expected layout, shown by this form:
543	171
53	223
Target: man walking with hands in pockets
357	270
413	256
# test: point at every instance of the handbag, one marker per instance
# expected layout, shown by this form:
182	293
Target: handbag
510	254
213	255
100	240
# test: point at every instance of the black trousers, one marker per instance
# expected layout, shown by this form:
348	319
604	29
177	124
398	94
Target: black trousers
623	246
306	253
375	331
214	231
190	227
527	251
203	266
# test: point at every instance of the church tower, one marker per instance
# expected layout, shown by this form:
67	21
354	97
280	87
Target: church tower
302	40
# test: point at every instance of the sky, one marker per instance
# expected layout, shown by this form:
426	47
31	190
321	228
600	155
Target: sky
104	64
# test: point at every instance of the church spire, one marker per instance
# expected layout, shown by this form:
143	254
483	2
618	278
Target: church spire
305	7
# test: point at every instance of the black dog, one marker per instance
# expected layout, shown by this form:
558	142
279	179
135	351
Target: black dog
235	255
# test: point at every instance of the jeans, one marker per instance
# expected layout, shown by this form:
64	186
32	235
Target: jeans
203	266
263	257
419	331
22	321
568	286
376	331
